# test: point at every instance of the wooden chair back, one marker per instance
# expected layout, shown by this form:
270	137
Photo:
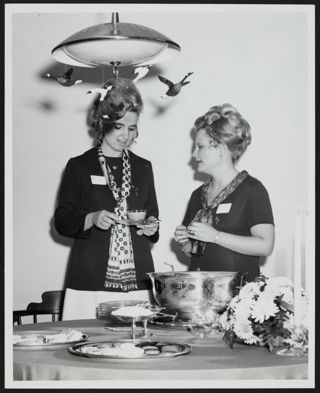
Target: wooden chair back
52	303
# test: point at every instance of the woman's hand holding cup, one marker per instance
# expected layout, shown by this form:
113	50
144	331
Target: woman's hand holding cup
181	235
150	228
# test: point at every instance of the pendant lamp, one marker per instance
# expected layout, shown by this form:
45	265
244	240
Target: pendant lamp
115	43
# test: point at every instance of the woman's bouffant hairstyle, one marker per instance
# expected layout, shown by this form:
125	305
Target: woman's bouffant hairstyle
123	97
225	125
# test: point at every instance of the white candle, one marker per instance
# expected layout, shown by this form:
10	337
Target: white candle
297	269
305	253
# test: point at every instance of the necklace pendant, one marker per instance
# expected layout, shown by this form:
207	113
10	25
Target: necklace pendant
114	167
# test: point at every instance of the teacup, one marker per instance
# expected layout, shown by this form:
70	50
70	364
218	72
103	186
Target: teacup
136	215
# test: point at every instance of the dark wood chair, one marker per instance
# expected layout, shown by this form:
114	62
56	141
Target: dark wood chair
52	304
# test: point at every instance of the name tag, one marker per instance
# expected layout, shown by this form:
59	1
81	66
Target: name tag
224	208
98	180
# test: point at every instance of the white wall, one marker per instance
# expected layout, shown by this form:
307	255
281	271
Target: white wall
255	59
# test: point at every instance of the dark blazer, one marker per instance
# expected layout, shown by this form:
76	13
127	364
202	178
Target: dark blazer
78	196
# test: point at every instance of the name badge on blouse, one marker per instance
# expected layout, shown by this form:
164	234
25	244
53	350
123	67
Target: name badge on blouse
98	180
224	208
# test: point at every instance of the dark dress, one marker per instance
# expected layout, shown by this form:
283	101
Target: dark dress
250	205
79	196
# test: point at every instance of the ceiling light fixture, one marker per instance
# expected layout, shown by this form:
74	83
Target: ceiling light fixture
124	44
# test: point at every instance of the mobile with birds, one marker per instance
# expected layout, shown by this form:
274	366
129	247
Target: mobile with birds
140	72
174	88
64	79
102	91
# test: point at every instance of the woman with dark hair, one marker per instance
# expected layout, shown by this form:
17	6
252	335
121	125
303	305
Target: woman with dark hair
109	259
229	223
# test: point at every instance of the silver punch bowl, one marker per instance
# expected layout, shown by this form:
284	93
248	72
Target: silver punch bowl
188	293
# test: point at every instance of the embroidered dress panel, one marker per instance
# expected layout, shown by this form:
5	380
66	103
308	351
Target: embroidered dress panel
121	268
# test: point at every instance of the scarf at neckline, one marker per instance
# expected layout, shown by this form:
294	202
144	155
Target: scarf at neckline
121	272
205	215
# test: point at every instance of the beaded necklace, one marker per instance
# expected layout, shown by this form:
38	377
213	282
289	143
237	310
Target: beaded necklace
121	271
117	191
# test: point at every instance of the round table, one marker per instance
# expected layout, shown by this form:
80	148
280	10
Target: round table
213	362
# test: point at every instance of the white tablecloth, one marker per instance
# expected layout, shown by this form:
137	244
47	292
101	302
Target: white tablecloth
216	361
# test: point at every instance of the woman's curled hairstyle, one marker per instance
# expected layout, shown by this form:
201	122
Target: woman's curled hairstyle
122	97
225	125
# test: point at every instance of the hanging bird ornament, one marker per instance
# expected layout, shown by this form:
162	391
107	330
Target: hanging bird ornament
103	91
65	79
140	72
174	88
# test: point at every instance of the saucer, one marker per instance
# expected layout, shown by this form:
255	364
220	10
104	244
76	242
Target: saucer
143	221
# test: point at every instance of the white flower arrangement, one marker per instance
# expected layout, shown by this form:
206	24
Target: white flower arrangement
262	314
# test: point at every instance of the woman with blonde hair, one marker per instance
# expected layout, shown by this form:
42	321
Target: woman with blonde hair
229	223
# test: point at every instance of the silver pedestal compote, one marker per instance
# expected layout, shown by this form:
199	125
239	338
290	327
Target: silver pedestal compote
134	314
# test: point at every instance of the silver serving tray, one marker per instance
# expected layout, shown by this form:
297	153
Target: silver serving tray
175	350
44	346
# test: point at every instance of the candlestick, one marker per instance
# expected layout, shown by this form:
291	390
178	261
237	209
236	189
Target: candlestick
306	253
297	269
